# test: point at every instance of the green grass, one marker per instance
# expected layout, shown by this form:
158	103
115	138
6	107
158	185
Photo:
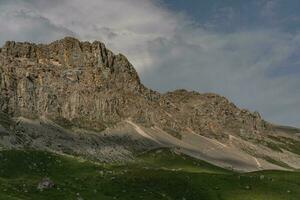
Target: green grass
169	160
159	174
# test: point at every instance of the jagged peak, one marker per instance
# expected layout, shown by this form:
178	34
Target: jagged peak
72	42
65	40
21	49
69	39
70	51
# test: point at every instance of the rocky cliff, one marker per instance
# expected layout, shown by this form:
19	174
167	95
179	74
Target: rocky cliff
84	85
69	81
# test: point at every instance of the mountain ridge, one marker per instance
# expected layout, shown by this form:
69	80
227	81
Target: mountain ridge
85	86
66	52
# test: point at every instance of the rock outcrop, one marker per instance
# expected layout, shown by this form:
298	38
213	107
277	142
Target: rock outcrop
69	81
84	85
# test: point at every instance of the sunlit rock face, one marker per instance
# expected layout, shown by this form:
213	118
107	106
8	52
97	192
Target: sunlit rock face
84	83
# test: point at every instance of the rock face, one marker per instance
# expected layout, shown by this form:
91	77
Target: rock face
68	81
84	85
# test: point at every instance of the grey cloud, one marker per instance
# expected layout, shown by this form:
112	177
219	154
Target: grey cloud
25	25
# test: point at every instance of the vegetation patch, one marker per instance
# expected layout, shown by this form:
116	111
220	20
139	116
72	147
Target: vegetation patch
288	144
157	174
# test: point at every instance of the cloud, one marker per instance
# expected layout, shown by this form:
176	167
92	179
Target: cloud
171	51
269	8
20	23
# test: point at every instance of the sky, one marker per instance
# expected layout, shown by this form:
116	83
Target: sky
247	51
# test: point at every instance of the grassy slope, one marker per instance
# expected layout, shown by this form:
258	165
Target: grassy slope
156	175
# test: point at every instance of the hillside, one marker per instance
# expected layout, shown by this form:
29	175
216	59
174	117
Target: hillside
80	99
159	174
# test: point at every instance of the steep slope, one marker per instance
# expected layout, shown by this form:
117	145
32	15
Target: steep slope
79	98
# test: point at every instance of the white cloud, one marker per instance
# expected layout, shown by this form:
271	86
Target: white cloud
169	50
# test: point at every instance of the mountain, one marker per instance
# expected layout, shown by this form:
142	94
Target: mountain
80	99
